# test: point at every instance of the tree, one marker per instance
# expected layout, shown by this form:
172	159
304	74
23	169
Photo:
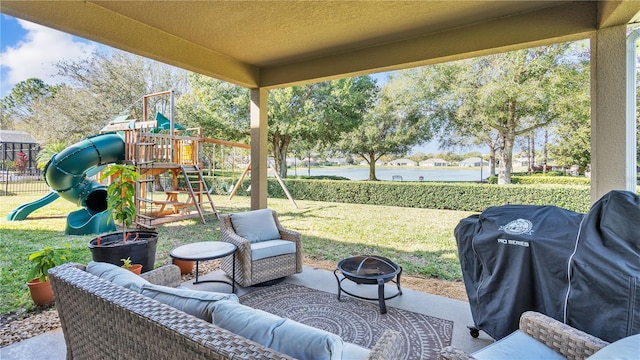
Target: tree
316	114
220	108
116	82
18	106
68	117
392	127
47	152
571	134
507	95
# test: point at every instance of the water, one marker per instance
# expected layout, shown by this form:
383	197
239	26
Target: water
406	173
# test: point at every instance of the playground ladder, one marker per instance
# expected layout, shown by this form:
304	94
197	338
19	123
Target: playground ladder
144	159
201	189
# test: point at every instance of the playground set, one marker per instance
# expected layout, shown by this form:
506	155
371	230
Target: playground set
154	147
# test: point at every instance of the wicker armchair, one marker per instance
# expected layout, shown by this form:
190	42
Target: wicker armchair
250	272
563	339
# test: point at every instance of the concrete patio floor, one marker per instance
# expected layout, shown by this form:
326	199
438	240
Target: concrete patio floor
51	346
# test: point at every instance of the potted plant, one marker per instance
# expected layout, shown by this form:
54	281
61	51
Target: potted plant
137	245
186	266
134	268
43	260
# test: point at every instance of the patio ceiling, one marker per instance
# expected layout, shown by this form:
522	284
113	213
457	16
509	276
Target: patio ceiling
272	44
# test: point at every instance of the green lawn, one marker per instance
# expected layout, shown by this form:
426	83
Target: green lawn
421	240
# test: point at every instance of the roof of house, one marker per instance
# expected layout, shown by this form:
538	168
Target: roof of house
18	137
435	160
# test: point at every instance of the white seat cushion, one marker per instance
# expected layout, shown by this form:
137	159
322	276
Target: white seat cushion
256	225
624	349
269	248
517	345
354	352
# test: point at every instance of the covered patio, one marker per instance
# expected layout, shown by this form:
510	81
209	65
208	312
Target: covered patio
269	45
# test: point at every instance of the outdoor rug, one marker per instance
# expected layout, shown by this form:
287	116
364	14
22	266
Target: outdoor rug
354	320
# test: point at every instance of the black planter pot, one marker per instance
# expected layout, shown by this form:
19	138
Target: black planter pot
112	250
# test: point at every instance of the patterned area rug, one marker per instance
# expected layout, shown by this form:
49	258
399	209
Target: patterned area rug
356	321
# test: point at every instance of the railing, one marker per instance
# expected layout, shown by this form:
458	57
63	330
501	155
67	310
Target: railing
144	147
29	181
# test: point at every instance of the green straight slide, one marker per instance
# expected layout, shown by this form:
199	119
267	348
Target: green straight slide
66	174
22	211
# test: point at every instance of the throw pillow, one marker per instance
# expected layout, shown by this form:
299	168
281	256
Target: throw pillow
283	335
193	302
116	275
256	225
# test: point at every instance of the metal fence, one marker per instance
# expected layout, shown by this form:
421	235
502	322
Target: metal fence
22	182
18	169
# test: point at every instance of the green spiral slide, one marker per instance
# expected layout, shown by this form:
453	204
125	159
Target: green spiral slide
67	175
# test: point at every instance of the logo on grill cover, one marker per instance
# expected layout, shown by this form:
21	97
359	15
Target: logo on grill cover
518	227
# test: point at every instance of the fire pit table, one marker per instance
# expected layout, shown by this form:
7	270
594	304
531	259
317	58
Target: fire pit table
369	270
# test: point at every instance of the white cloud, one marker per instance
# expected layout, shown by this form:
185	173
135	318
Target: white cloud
37	54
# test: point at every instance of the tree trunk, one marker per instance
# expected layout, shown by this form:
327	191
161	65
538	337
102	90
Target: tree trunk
492	161
529	155
372	166
544	151
508	137
533	150
280	145
506	158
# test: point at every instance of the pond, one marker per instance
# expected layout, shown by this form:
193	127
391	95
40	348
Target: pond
396	173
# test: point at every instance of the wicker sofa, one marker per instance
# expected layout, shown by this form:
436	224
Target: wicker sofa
102	320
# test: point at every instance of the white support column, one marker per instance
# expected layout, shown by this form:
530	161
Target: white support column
259	148
612	113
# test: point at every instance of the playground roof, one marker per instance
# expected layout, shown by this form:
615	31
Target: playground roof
280	43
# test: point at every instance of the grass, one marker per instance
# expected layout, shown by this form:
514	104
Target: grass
420	240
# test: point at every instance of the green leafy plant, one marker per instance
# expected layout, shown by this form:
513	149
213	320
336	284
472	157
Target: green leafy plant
45	259
121	194
126	263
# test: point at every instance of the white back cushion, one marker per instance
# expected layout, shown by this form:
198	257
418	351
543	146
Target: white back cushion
256	225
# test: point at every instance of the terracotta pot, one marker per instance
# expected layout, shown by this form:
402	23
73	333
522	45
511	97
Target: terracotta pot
136	269
41	292
186	266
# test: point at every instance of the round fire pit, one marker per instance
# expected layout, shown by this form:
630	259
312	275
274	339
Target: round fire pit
371	270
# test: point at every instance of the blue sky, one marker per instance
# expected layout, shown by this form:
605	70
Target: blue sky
30	50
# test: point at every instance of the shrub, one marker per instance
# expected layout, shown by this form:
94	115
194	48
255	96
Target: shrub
544	179
428	195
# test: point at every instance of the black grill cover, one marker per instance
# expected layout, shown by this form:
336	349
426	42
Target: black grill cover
604	296
514	259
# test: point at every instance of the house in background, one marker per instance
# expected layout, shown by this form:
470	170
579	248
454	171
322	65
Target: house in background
337	161
402	162
473	162
433	162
